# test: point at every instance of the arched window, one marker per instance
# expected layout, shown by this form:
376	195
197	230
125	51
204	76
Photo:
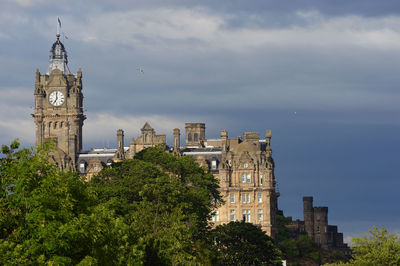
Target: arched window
189	137
196	137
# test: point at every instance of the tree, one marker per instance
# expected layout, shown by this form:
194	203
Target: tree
141	211
240	243
379	248
37	203
166	202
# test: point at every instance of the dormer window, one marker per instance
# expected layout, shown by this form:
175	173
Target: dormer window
82	167
213	165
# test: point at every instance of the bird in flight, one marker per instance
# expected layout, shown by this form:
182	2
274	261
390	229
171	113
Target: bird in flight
140	69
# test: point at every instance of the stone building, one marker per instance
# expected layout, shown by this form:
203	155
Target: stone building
245	169
58	112
316	226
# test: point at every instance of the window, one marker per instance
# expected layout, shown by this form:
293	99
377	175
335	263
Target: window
261	179
232	197
82	167
95	168
189	137
259	197
233	216
196	137
245	165
246	178
215	217
246	216
246	197
213	165
260	215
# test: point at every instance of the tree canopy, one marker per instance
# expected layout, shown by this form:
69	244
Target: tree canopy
378	248
152	210
166	202
240	243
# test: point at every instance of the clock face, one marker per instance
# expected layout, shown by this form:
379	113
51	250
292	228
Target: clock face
56	98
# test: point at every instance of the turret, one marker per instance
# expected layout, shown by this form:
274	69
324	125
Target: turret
177	140
120	154
195	133
308	212
132	148
224	140
268	140
321	225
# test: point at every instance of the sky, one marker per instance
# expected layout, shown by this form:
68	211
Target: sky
322	75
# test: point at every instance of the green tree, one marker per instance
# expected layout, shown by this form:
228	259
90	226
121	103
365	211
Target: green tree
379	248
153	210
240	243
37	202
166	202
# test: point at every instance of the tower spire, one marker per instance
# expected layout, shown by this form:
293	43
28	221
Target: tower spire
58	54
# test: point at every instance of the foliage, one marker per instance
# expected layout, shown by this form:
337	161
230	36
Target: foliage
166	203
138	212
38	205
240	243
379	248
302	250
151	210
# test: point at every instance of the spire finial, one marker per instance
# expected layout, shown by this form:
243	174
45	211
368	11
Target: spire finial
58	27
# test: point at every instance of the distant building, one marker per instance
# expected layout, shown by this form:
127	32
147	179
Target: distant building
316	226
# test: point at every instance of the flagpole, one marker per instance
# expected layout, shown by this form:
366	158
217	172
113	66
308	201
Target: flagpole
58	26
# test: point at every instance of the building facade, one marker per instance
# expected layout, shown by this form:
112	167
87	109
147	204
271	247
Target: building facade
58	112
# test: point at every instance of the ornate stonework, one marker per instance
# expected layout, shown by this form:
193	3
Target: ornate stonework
58	110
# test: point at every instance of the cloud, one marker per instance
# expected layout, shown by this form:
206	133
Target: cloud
201	28
29	3
15	121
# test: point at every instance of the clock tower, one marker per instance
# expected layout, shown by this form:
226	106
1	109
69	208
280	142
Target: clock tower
58	110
